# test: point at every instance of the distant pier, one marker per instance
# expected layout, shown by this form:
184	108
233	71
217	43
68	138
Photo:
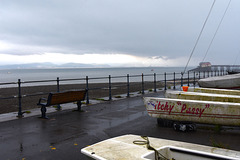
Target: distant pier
216	68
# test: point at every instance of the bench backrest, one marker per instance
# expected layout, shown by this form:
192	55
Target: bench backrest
66	97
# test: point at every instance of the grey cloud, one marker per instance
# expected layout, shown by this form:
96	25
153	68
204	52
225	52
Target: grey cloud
138	27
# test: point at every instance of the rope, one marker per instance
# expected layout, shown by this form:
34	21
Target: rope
216	31
198	37
158	156
236	58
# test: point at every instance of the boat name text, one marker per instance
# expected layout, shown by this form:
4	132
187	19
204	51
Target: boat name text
192	110
165	106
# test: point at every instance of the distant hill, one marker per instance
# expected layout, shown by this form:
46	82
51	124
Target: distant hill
50	65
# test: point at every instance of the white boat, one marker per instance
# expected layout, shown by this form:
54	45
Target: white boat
134	147
202	96
225	82
182	110
214	90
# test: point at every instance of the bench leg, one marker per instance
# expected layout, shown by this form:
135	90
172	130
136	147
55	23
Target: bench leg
44	110
79	104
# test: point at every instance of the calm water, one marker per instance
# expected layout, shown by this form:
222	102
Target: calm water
12	75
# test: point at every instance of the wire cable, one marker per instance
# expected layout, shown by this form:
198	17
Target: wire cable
236	59
198	38
216	30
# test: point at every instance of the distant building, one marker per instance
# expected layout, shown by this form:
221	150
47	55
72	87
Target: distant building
205	64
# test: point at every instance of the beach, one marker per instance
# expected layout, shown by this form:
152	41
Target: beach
37	83
32	94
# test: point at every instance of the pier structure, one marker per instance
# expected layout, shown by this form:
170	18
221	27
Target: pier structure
217	68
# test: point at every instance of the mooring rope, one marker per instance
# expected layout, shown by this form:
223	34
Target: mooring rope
158	156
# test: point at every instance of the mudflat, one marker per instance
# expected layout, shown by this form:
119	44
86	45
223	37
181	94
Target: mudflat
31	94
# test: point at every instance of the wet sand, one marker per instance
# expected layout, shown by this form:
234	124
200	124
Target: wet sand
31	95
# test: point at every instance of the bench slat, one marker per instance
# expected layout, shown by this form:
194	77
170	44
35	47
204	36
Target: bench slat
66	97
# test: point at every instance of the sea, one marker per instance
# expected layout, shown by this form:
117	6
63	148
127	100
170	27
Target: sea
94	74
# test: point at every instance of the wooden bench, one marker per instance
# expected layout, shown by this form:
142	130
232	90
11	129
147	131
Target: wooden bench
61	98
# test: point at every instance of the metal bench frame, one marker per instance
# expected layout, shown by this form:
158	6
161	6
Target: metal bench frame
61	98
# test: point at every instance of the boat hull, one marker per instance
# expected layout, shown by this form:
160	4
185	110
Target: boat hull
215	91
222	113
223	82
123	148
202	96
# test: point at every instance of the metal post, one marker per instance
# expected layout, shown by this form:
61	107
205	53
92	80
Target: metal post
181	79
20	113
142	83
165	81
58	90
174	80
155	82
58	87
128	95
188	78
110	88
87	89
194	79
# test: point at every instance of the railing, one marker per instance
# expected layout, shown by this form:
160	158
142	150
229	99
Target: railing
140	84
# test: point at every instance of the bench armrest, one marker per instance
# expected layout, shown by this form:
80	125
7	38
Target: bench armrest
39	102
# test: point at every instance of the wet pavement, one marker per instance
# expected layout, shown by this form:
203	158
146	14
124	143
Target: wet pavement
65	133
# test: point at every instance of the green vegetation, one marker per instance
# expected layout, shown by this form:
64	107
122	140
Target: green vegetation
218	144
100	99
217	128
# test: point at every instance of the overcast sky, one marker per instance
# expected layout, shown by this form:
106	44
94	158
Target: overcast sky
118	32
